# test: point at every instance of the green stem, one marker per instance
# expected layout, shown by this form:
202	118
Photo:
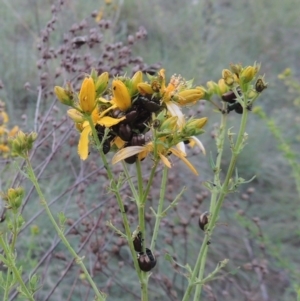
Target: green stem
151	177
201	274
129	181
200	263
141	205
220	147
78	260
14	232
116	191
160	207
141	215
14	269
6	289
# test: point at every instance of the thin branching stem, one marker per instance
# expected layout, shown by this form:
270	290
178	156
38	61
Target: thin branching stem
78	260
10	258
201	260
159	212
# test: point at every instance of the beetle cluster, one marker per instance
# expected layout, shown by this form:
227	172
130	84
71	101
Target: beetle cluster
233	104
146	260
134	126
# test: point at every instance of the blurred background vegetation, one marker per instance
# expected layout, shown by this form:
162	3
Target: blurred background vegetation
259	228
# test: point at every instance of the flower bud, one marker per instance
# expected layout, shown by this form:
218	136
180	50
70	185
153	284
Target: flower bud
251	94
121	95
63	96
236	68
223	88
248	74
101	83
194	125
169	124
13	198
145	88
228	77
23	143
75	115
135	80
212	87
190	96
87	95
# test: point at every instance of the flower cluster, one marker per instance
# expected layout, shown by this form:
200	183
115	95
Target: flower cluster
135	117
5	133
237	85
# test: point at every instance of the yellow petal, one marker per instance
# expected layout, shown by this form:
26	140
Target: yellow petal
121	95
109	121
180	155
83	145
87	95
127	152
118	142
165	160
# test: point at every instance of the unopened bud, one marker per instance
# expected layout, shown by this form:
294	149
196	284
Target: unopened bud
223	88
63	96
101	83
135	80
145	88
194	126
189	96
13	198
248	74
75	115
228	77
169	124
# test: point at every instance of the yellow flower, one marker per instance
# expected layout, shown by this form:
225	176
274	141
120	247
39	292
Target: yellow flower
87	95
86	130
